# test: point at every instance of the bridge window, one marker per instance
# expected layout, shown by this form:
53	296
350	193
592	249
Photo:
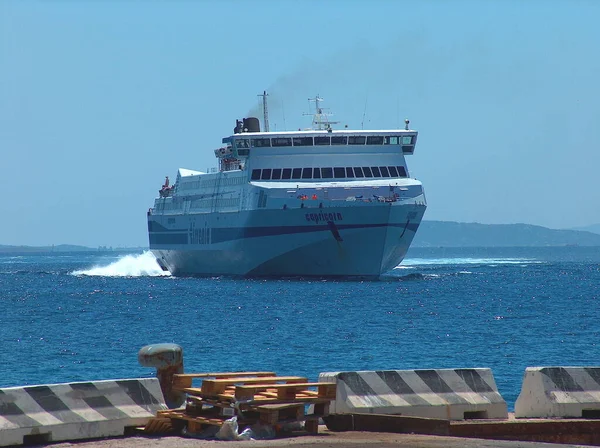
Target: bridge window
407	140
266	174
243	152
374	140
339	140
242	143
302	141
281	141
326	173
390	140
322	141
261	142
339	173
357	140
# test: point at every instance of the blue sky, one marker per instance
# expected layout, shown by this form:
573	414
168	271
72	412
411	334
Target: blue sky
100	100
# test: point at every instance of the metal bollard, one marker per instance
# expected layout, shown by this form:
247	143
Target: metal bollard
168	360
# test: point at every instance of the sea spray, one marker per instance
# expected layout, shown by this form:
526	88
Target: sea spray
140	265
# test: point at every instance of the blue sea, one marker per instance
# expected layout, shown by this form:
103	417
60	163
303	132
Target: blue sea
83	316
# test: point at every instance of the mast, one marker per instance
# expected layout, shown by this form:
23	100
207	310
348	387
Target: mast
320	118
265	110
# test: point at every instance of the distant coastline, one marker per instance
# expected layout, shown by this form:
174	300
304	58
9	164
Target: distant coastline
4	249
460	234
430	234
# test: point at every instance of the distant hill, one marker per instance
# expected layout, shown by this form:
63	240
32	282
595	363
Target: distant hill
459	234
594	228
430	234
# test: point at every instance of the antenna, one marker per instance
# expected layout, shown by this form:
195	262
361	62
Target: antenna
362	123
398	110
320	120
265	110
283	113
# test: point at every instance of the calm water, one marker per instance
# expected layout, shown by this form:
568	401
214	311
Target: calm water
69	317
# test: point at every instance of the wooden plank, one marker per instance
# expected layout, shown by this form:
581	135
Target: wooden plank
259	399
183	380
217	386
311	426
327	390
309	400
277	407
286	391
223	375
273	414
198	419
312	393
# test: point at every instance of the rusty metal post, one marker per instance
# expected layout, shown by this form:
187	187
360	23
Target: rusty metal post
168	360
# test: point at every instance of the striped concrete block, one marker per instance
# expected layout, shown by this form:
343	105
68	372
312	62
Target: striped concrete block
572	392
71	411
453	394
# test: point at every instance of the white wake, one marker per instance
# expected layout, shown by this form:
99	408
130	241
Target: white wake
411	262
142	265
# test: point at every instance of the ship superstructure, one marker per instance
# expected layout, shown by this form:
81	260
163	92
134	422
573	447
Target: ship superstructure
319	202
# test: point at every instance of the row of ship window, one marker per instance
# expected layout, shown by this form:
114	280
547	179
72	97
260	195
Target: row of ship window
324	141
328	173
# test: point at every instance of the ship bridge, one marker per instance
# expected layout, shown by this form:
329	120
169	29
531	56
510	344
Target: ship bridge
306	155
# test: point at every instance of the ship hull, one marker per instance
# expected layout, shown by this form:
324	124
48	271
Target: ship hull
346	241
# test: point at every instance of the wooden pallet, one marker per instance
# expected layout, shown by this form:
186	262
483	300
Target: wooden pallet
275	415
217	386
254	397
194	424
158	425
184	380
286	391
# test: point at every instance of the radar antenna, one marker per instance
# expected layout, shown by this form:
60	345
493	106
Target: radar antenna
320	119
265	110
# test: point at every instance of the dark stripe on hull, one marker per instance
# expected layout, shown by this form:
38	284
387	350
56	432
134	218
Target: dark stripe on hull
223	234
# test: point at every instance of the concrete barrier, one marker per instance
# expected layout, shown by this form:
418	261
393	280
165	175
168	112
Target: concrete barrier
453	394
570	392
72	411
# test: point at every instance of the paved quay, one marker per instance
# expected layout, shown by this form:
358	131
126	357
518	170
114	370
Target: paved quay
325	439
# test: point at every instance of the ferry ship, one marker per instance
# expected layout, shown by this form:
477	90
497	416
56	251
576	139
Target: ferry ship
320	202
